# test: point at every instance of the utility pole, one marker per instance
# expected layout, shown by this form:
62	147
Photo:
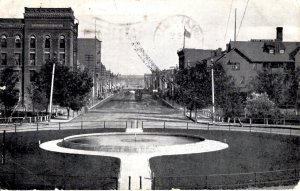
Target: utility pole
94	70
235	25
183	37
213	90
51	92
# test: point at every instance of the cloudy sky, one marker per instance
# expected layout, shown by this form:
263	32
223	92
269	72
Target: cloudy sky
159	24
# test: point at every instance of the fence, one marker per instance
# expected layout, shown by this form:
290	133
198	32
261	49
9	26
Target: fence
219	181
228	181
272	129
287	120
28	181
24	119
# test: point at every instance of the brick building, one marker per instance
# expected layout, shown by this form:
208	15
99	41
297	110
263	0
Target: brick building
27	43
89	56
188	57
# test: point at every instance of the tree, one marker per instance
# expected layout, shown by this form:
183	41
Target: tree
272	83
38	94
79	88
260	106
71	86
227	96
9	96
195	89
193	86
291	87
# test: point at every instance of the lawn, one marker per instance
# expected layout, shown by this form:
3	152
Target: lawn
29	167
247	152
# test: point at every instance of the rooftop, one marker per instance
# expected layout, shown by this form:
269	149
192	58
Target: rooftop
256	50
48	12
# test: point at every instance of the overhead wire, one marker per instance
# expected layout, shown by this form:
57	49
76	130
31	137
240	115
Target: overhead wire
243	17
228	19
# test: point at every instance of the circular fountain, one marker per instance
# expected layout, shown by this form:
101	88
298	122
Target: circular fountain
130	142
134	150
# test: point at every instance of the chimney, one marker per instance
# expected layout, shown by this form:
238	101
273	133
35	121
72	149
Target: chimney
279	34
228	47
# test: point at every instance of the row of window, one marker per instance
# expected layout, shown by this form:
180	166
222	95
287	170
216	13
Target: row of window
271	51
3	41
47	42
31	74
237	66
32	58
18	42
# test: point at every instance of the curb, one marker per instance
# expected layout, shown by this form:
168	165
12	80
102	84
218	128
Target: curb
102	101
89	108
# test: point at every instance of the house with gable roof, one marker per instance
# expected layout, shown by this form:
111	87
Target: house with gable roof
243	59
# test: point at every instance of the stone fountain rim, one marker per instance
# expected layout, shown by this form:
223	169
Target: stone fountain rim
67	143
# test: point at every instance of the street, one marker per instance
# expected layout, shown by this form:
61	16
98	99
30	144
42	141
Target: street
123	107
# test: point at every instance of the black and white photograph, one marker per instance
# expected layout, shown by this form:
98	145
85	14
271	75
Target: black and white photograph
150	95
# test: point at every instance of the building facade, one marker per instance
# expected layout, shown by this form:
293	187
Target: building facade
243	59
188	57
27	43
89	57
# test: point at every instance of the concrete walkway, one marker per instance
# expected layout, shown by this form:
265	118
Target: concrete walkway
136	165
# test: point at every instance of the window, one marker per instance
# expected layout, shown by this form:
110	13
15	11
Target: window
62	58
47	41
32	75
32	42
18	41
3	59
271	51
32	59
281	51
3	41
62	42
235	66
18	59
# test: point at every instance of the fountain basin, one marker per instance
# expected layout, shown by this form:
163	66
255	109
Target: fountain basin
129	142
134	150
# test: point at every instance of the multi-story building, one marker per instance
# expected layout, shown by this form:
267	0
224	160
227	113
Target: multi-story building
188	58
243	59
89	56
27	43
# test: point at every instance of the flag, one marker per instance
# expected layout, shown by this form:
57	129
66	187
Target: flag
187	33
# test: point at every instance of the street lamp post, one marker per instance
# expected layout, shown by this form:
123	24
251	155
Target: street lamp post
213	90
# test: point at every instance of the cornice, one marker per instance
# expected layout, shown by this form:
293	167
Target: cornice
11	25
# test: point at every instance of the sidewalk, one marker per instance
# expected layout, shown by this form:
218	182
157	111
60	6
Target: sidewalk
172	104
64	118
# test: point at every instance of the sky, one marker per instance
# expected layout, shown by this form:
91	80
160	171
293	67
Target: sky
158	25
